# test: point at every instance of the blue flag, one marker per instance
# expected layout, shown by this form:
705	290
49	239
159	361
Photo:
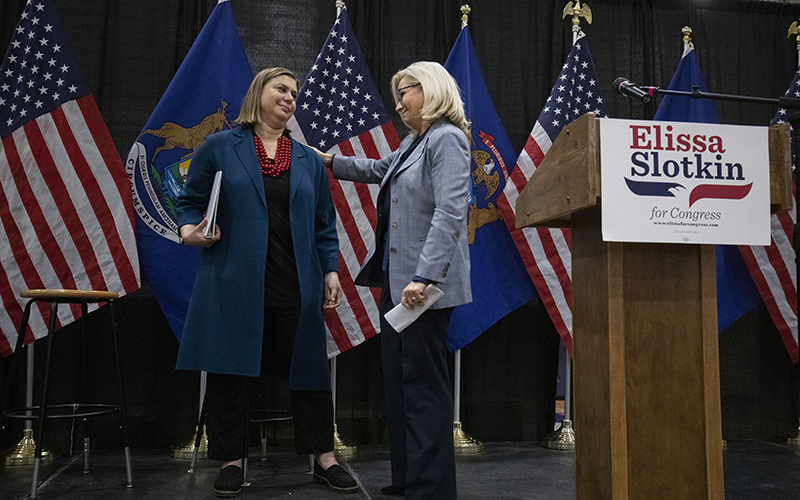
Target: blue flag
736	292
204	97
500	282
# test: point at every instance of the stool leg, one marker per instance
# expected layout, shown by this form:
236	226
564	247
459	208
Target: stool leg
37	457
26	313
246	455
263	441
83	385
121	398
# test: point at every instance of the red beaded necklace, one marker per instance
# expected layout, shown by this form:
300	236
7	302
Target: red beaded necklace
283	156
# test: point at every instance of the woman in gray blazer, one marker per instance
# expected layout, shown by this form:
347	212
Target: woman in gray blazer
420	239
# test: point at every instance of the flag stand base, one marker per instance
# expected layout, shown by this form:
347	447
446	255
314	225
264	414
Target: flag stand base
463	443
185	451
24	452
342	448
794	441
562	439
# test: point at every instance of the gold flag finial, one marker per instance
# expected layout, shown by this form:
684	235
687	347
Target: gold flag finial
794	30
465	10
340	5
687	34
577	11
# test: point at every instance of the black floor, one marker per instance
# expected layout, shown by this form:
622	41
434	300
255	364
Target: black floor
754	470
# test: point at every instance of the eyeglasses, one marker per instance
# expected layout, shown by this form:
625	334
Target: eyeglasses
401	89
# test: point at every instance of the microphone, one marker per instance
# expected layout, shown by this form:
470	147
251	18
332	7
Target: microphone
631	90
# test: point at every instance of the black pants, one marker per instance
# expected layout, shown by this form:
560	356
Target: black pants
228	398
419	404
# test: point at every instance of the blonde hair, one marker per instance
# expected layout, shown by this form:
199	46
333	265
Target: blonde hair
442	96
250	114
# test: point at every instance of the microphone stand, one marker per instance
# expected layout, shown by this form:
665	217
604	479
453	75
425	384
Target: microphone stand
794	120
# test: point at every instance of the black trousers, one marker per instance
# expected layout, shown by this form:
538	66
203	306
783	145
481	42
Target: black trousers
419	404
228	398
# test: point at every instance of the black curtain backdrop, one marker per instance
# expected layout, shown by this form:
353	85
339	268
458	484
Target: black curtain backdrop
129	51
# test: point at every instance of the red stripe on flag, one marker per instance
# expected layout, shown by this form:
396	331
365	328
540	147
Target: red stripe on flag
534	151
370	150
97	199
69	214
787	223
354	299
346	216
337	329
553	257
391	135
532	267
13	309
38	224
777	263
105	144
770	302
362	190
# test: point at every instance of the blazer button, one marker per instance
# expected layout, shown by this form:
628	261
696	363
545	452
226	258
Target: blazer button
393	250
394	225
394	200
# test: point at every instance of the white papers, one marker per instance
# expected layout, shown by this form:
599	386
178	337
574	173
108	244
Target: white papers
400	317
211	210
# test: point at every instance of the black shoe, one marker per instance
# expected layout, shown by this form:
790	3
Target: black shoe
336	478
392	490
229	482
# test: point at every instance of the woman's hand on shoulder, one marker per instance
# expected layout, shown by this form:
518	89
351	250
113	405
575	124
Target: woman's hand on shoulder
193	234
326	158
333	291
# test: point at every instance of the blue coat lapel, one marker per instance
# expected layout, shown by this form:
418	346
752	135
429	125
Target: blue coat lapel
299	168
246	151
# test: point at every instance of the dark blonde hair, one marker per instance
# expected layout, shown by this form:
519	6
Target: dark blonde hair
442	95
250	114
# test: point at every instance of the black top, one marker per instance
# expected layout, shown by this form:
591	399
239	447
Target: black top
281	283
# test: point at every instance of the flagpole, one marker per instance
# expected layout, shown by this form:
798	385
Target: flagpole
463	443
564	437
186	450
795	440
341	447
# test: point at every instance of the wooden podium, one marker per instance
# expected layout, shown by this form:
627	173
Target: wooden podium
646	361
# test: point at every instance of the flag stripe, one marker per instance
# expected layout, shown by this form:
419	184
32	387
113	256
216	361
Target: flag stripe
347	219
39	229
105	236
69	215
778	304
118	208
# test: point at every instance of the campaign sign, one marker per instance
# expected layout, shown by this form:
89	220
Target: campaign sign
675	182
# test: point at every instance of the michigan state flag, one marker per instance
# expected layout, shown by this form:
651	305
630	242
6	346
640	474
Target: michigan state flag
204	97
736	292
500	283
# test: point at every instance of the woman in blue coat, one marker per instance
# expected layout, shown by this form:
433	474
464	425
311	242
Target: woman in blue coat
265	276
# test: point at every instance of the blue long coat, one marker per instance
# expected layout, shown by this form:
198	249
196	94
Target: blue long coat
225	321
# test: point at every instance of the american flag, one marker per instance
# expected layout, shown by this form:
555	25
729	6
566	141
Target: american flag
66	218
546	252
773	268
339	110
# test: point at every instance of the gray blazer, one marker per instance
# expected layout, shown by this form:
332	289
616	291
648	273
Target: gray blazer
427	224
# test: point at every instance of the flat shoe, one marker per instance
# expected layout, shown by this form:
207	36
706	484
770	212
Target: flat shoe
229	482
336	478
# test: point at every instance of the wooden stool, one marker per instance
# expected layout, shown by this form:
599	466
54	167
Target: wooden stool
81	409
